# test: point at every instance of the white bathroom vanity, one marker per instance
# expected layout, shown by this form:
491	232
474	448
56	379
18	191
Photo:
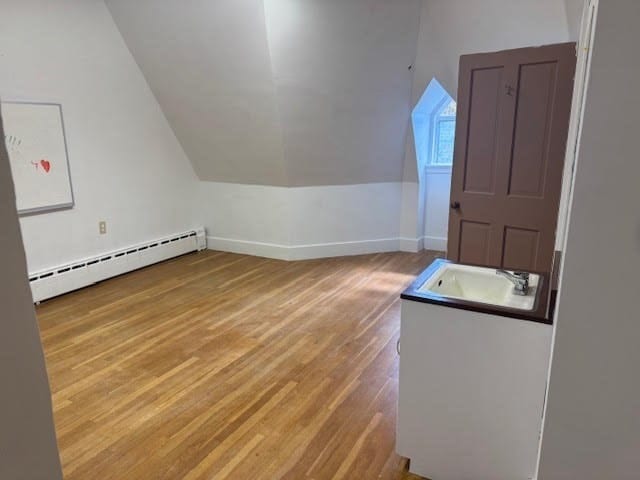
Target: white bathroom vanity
473	374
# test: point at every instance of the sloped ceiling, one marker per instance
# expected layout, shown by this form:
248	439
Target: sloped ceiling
280	92
208	64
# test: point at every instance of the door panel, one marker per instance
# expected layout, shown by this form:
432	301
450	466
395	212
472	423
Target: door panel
534	108
520	248
480	148
475	239
511	133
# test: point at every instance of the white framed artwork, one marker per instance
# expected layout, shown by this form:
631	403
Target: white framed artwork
35	140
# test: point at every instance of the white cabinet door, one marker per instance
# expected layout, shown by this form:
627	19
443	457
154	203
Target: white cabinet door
471	396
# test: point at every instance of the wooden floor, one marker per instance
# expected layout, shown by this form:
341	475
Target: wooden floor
217	365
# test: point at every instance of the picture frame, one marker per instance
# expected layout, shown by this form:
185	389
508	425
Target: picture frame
36	141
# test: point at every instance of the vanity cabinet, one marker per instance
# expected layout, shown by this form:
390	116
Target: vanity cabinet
471	393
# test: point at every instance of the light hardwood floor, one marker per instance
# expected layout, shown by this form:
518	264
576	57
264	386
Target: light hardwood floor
216	365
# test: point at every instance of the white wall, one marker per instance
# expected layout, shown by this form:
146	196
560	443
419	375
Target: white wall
574	16
127	167
322	89
302	222
250	219
436	213
449	29
342	86
27	438
345	219
592	425
267	94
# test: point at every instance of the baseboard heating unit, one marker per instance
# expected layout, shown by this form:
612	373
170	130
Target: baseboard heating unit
66	278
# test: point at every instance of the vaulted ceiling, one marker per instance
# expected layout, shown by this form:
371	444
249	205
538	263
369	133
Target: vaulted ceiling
280	92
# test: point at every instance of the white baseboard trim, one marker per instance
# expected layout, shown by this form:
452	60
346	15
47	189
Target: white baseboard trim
257	249
342	249
435	243
438	244
303	252
412	245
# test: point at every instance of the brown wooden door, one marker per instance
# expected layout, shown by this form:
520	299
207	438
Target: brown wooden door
511	134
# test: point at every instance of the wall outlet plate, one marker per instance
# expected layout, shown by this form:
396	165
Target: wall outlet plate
103	227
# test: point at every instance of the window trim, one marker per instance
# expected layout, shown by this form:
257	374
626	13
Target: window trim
439	169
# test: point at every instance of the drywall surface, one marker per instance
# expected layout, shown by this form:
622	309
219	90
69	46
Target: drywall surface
574	16
280	92
342	86
412	216
592	426
424	219
28	447
303	222
345	213
451	28
245	213
209	66
127	167
436	215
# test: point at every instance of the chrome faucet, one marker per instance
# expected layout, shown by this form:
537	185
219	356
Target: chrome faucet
520	281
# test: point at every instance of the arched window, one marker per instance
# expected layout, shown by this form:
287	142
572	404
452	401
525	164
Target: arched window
434	127
444	132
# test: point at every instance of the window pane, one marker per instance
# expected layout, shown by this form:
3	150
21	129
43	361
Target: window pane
449	110
446	131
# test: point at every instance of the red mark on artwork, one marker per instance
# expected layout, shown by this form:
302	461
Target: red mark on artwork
46	165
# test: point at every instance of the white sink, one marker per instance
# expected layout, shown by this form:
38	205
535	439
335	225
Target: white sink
479	284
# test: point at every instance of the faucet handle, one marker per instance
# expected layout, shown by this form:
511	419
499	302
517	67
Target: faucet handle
523	275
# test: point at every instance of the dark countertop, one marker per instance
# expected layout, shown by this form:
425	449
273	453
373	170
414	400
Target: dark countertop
542	310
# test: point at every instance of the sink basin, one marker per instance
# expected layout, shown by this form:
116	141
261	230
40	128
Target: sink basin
478	284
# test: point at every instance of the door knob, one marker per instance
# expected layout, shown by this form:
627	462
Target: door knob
455	205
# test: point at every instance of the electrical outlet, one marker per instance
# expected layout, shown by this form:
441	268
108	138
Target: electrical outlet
103	227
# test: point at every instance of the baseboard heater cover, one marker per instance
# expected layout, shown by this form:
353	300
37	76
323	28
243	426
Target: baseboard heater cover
66	278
